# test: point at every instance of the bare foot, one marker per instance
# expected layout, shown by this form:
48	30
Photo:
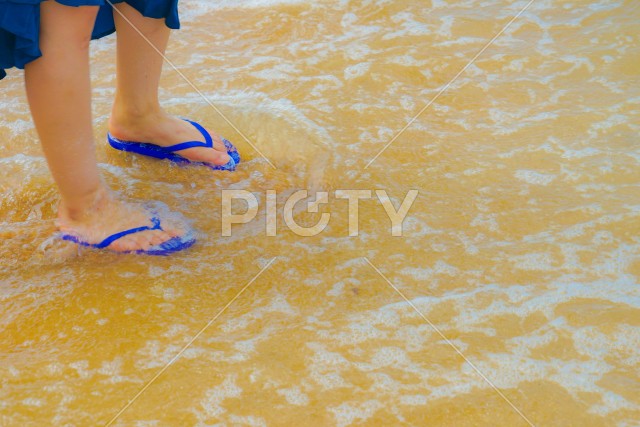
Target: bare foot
163	129
106	215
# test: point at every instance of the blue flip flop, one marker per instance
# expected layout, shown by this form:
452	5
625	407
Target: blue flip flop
170	153
232	151
175	244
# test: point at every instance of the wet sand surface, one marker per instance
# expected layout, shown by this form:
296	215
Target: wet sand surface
511	299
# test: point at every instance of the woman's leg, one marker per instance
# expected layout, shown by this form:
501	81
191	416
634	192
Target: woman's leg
59	94
137	115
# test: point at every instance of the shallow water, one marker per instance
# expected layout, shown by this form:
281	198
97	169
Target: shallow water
521	250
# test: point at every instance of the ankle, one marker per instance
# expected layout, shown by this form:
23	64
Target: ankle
80	206
126	113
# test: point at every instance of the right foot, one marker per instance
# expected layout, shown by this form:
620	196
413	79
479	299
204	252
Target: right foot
106	215
163	129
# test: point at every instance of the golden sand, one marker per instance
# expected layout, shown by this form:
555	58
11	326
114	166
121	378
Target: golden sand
521	250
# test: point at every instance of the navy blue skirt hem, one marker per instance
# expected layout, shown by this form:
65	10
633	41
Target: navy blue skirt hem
20	25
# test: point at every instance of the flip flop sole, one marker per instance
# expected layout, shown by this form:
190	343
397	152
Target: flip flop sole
152	150
172	245
232	151
170	153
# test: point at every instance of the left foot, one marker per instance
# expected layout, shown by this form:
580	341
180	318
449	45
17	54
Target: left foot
163	129
104	215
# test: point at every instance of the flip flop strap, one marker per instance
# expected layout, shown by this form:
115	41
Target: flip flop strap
191	144
109	240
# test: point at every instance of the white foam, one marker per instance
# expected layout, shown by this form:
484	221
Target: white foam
347	413
510	368
30	401
277	305
534	177
294	396
534	261
357	70
214	398
413	399
390	356
355	333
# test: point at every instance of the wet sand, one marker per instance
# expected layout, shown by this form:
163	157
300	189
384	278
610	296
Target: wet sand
521	250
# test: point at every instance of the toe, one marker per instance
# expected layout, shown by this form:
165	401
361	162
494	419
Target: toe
143	241
135	242
216	157
223	158
158	237
172	229
218	144
206	155
125	244
114	218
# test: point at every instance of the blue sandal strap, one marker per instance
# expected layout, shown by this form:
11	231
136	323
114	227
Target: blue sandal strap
171	152
109	240
191	144
168	247
203	131
184	146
